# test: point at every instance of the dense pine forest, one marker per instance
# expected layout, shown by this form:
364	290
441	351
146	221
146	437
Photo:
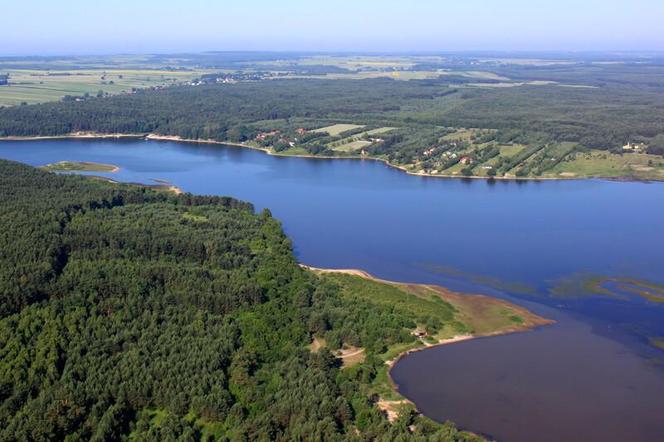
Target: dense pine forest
132	314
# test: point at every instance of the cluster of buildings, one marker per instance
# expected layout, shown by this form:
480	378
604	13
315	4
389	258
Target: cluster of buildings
634	147
265	135
223	78
283	139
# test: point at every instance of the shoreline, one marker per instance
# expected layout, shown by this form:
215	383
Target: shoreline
178	139
534	321
163	186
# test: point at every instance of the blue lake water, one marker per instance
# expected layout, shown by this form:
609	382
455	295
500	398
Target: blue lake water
536	243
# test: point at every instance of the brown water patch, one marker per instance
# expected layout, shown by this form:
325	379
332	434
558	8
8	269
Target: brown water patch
558	383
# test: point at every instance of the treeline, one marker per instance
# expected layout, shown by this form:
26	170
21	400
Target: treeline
132	314
603	117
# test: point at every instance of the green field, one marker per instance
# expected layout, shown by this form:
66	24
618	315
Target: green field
338	129
358	141
38	86
380	130
352	146
606	164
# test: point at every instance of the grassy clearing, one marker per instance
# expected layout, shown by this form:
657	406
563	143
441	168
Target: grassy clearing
80	166
337	129
352	146
475	314
461	135
394	296
606	164
380	131
358	141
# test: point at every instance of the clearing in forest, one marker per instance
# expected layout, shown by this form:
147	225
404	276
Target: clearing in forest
337	129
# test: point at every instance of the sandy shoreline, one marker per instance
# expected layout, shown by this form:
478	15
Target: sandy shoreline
166	186
178	139
532	322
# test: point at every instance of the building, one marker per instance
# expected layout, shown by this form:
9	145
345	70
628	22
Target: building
4	79
264	135
419	333
466	161
633	146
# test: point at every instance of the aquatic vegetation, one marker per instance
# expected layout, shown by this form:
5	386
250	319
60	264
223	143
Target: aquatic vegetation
583	284
511	287
657	342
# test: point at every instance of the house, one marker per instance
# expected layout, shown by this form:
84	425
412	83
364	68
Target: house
301	131
264	135
418	332
633	146
466	160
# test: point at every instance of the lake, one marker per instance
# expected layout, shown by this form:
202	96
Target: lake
581	252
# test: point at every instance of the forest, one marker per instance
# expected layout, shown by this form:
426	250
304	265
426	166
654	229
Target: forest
128	313
600	117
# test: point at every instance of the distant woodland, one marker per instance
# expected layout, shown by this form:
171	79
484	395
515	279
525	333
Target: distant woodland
597	117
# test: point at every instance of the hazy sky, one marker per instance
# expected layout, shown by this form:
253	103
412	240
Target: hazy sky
105	26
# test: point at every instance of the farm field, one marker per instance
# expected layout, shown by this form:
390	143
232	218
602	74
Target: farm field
39	86
358	141
337	129
606	164
351	146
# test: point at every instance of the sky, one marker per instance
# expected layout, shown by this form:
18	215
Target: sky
64	27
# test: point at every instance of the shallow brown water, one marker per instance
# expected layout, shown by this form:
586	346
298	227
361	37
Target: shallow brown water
558	383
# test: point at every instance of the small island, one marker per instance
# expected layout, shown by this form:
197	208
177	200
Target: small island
80	166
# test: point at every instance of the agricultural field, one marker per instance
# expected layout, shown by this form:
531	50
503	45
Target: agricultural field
38	86
358	141
351	146
606	164
337	129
